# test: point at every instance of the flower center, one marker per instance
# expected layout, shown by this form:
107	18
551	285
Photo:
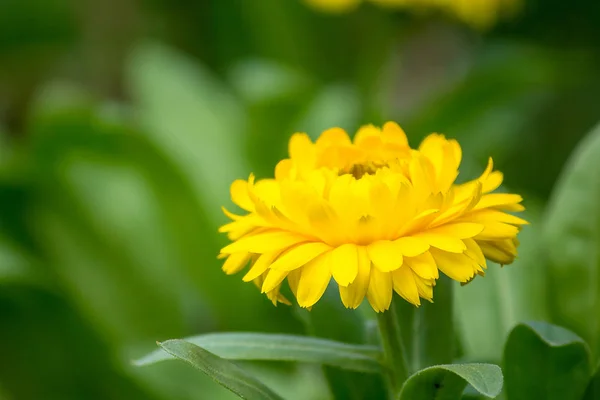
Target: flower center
361	169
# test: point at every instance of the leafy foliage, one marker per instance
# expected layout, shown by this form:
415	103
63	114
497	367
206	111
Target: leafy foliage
256	346
545	361
449	381
122	122
223	372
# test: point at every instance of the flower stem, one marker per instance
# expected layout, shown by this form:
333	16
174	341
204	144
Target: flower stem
393	349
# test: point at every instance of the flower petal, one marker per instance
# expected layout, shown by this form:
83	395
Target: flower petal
493	215
460	230
344	264
443	242
424	287
301	148
273	279
239	194
314	279
475	253
293	280
385	255
367	135
459	267
392	133
333	136
299	255
236	262
380	290
423	265
259	267
404	284
284	169
411	246
497	230
353	295
493	181
502	252
498	200
264	242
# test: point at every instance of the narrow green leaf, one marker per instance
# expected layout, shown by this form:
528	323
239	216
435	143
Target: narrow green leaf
447	382
543	361
220	370
258	346
571	240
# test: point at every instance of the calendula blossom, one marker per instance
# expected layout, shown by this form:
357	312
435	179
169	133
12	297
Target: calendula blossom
481	14
373	214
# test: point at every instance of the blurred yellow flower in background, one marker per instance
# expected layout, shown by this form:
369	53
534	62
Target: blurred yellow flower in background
334	6
372	213
481	14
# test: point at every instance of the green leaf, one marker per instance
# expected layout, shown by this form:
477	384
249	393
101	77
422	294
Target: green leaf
258	346
543	361
220	370
571	239
447	382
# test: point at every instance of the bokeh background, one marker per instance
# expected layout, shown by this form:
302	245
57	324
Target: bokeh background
122	123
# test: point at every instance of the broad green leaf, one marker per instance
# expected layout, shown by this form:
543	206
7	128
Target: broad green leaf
220	370
258	346
593	390
572	242
447	382
543	361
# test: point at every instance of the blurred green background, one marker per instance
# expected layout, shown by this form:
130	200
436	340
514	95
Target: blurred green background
122	123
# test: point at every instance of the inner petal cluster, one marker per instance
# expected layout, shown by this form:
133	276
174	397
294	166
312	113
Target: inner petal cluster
373	214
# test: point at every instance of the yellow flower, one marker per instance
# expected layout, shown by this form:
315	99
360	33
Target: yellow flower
373	214
334	6
481	14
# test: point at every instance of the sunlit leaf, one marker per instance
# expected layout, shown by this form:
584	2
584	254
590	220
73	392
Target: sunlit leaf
447	382
257	346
